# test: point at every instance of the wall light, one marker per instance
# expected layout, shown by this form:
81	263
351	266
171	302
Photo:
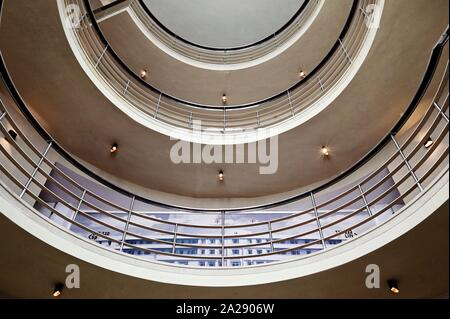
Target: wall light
114	148
224	99
428	143
302	74
325	151
221	176
143	73
393	286
58	290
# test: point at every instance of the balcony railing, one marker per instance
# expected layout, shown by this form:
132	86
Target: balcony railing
391	177
128	90
230	55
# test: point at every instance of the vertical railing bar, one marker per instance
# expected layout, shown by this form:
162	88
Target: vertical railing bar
407	163
126	87
223	238
84	15
321	85
224	119
345	51
269	224
369	211
440	109
101	56
79	205
316	213
365	13
127	223
36	169
174	244
157	106
290	103
190	120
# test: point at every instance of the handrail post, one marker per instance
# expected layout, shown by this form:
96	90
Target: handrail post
269	225
363	196
157	106
411	171
345	51
79	205
49	145
101	56
174	243
440	110
290	103
122	242
223	238
316	214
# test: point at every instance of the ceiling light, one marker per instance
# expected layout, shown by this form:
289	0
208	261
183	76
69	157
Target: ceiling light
325	151
221	176
58	290
114	148
302	74
13	134
143	73
393	286
224	99
428	143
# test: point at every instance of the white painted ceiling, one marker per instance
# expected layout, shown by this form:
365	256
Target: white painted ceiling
223	23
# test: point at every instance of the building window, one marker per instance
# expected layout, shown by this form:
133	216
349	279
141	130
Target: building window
235	251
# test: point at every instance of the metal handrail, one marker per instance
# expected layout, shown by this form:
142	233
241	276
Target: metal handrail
223	55
92	23
404	164
424	84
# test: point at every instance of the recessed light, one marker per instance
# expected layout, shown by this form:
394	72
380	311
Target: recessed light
224	99
428	143
143	73
114	148
325	151
393	286
58	290
221	176
302	74
13	134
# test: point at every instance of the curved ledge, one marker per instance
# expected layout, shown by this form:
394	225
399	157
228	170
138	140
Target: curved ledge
219	130
404	221
222	64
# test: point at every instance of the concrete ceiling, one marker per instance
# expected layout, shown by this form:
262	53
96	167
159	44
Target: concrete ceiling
247	85
419	260
71	108
223	23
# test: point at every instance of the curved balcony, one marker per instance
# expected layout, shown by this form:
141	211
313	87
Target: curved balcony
225	124
289	33
401	170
